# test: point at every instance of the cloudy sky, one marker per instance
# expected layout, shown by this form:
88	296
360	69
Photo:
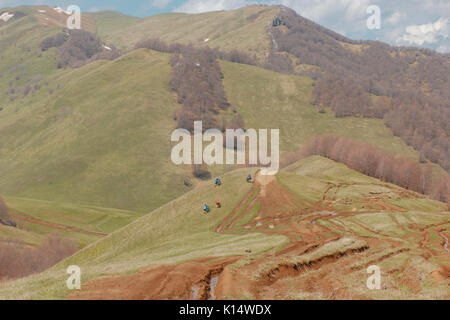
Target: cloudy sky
421	23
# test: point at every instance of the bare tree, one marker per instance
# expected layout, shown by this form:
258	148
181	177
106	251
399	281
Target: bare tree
367	159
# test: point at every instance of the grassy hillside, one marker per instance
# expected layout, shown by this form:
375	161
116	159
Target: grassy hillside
83	138
91	141
267	99
83	224
99	135
173	233
243	29
77	134
21	60
327	208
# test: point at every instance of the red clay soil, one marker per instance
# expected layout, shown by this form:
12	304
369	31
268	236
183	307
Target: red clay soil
175	282
424	241
34	220
445	239
235	212
277	203
272	279
286	270
258	281
268	276
278	206
439	276
380	259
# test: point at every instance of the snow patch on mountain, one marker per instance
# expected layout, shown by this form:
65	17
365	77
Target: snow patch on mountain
6	16
61	10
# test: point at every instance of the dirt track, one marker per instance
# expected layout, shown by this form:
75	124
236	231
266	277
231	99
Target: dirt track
281	212
181	281
34	220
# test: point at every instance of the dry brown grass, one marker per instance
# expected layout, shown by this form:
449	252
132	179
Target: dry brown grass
18	260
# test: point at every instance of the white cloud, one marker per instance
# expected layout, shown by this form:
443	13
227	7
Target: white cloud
199	6
316	10
321	9
426	33
396	18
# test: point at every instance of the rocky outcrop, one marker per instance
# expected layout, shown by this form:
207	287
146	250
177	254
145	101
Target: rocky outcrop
8	223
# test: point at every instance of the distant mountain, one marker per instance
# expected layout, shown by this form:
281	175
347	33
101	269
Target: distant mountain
74	134
414	81
414	84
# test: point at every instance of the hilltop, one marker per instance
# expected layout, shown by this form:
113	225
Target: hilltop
242	29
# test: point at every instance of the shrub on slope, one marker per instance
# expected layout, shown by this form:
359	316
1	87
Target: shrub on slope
18	260
78	47
371	161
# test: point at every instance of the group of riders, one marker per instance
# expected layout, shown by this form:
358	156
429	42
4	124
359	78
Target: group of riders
207	209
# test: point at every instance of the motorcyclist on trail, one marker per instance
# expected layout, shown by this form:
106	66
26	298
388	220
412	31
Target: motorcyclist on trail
218	182
249	178
218	204
206	209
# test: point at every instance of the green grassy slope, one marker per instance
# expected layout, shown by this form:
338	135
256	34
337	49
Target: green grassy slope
21	60
179	231
81	137
24	121
93	142
100	134
267	99
311	176
111	22
102	138
243	29
86	224
173	233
